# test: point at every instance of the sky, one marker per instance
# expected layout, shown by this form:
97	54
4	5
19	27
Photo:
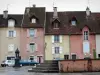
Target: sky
18	6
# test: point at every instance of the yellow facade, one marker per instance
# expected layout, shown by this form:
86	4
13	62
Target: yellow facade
49	45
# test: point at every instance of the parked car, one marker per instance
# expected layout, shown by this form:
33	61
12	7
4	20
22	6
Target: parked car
3	64
27	62
8	63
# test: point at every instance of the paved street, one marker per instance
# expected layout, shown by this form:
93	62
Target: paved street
23	71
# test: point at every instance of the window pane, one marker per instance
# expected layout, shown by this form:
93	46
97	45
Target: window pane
33	20
11	23
85	35
56	50
32	32
56	38
11	33
55	25
73	22
32	46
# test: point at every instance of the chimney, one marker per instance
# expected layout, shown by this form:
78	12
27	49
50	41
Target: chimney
34	5
27	10
55	14
88	11
5	14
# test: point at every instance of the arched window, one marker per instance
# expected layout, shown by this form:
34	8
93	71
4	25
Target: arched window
11	23
73	21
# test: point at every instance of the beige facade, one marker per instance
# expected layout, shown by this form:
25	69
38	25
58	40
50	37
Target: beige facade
64	44
8	45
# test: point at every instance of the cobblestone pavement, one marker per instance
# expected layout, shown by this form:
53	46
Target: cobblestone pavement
24	71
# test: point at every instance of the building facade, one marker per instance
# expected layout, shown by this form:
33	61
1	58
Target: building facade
32	34
10	35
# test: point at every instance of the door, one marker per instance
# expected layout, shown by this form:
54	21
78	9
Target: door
74	56
66	57
40	59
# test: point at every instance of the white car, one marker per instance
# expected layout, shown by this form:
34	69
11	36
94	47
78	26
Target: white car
8	63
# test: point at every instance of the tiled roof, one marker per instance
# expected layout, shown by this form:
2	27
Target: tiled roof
38	12
93	22
16	17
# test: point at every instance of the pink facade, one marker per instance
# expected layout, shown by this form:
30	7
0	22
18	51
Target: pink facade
76	44
38	40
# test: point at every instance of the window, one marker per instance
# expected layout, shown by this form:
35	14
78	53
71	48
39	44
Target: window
32	46
10	58
11	47
56	26
56	38
57	50
33	20
73	56
73	23
98	55
31	58
86	35
11	23
31	32
11	33
66	57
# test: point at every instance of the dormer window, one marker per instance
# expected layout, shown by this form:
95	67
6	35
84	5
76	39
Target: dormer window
86	35
33	20
73	23
56	26
11	23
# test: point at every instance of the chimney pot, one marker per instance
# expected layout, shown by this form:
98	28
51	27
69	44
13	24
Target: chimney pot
5	14
34	5
55	15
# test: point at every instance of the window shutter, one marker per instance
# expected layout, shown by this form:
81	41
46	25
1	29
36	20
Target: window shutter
52	39
7	33
60	50
27	32
14	33
35	32
27	47
60	39
36	47
53	50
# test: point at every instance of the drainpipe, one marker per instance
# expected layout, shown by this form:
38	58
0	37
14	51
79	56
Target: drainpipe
44	37
69	47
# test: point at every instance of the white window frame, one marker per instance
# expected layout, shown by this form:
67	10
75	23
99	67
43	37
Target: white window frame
30	47
11	33
57	50
57	36
33	32
33	20
11	23
73	22
86	35
9	48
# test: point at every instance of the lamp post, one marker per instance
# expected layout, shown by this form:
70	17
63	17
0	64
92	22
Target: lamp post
17	58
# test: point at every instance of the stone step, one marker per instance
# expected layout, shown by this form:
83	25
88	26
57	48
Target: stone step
44	71
45	68
51	61
46	65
